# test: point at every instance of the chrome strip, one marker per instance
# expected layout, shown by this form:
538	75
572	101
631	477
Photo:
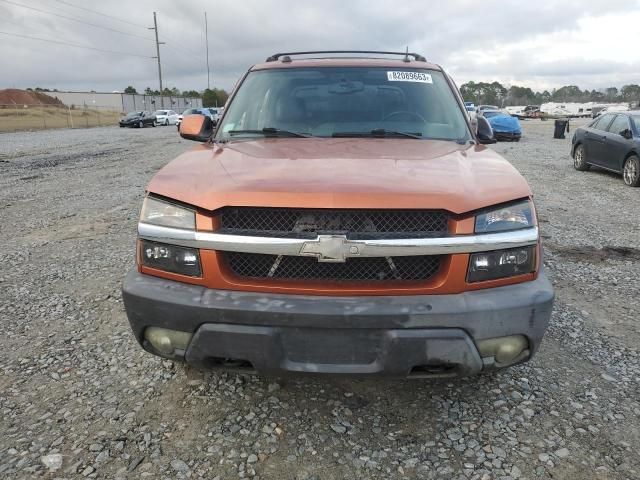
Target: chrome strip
336	247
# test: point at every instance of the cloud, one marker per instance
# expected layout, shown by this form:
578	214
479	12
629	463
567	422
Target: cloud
541	44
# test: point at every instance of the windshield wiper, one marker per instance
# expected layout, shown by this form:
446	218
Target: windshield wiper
269	132
379	133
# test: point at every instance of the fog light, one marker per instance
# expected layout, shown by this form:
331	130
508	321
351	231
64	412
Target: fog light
167	341
505	350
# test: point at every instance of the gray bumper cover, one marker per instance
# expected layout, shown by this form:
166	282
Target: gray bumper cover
355	335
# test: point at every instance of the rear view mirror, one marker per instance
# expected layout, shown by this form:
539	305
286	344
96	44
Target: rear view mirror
484	133
626	133
198	128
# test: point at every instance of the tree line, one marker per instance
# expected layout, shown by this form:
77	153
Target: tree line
496	94
214	97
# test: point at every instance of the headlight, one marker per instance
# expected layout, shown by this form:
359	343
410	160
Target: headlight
510	217
170	258
501	264
159	212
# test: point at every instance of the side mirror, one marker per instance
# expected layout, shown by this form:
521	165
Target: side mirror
484	132
626	133
198	128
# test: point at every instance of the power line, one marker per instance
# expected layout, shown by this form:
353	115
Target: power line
100	13
75	20
181	49
172	43
73	44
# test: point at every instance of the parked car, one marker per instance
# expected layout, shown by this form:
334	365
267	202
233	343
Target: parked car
138	119
610	109
612	142
194	111
505	127
216	114
166	117
482	108
470	108
343	218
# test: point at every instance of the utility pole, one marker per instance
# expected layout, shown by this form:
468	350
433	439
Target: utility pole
206	34
155	27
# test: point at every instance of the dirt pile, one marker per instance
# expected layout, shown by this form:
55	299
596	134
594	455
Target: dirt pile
11	96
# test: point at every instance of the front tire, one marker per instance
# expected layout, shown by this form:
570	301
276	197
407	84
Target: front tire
154	124
166	122
631	171
580	159
140	124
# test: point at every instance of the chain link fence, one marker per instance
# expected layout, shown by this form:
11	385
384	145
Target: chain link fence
14	118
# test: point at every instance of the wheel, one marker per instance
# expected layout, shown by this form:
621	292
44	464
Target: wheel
631	171
580	159
155	124
166	122
140	124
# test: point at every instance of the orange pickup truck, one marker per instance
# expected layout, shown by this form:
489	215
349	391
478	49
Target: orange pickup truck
343	217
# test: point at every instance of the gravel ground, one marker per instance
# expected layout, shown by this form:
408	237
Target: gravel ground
79	398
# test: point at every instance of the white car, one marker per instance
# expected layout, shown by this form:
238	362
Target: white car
216	113
166	117
613	108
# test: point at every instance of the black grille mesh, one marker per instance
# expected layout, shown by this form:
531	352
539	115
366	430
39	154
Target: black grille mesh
280	221
354	269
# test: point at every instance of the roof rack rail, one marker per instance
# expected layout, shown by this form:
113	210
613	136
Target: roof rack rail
417	57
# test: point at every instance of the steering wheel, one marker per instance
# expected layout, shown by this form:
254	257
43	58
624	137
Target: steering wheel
405	112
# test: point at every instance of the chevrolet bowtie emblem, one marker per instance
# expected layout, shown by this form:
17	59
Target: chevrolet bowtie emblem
331	248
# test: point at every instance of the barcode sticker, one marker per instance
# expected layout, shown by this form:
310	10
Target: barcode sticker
409	77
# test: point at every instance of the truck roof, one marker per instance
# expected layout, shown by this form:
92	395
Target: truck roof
337	58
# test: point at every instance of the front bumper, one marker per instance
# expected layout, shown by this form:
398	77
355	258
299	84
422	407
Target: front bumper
507	135
422	335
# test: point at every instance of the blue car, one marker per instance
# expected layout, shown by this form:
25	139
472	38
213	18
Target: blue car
505	127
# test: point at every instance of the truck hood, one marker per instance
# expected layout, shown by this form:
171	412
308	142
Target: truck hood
341	173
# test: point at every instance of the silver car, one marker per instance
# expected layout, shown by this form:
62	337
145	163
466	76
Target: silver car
195	111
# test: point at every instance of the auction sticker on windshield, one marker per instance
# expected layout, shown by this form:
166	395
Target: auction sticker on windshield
409	77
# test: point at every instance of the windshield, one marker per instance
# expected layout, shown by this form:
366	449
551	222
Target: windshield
190	111
325	102
160	112
489	114
133	114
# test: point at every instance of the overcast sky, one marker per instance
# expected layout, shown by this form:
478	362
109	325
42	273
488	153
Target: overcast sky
540	44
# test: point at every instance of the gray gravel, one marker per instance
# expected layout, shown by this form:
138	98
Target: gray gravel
80	399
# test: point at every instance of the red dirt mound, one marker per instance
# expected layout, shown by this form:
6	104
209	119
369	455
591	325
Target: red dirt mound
26	97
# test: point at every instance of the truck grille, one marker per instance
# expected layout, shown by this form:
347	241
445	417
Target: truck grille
355	223
367	269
